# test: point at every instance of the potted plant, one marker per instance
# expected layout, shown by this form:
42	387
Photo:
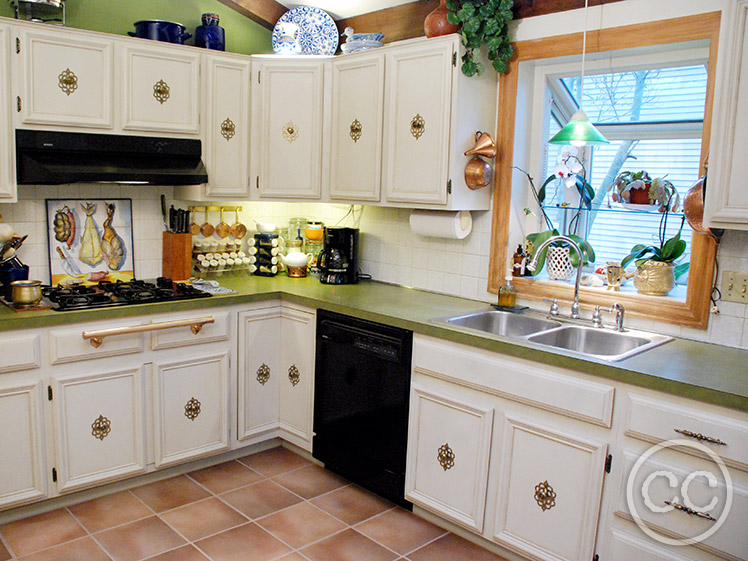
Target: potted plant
639	188
656	270
483	22
568	169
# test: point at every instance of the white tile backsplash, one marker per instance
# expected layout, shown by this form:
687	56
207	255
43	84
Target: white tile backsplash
389	250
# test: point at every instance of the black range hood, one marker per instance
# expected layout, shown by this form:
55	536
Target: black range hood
54	158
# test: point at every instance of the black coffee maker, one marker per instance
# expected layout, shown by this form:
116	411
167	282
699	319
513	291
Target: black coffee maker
338	260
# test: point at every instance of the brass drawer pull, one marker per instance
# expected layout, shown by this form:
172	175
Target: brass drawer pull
196	325
356	130
101	427
192	409
294	375
263	374
699	436
228	129
67	81
446	457
161	91
417	126
690	511
290	131
545	496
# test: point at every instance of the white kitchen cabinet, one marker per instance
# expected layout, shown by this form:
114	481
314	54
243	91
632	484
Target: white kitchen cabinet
432	112
259	369
288	96
160	89
65	78
357	121
550	487
7	144
276	373
449	445
190	413
23	462
99	422
726	204
297	375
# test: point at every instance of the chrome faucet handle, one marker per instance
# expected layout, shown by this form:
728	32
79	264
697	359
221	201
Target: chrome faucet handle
618	309
597	318
553	311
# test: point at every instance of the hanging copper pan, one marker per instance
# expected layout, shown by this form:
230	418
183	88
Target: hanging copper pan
693	208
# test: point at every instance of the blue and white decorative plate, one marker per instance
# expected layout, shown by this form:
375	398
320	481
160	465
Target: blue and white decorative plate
316	33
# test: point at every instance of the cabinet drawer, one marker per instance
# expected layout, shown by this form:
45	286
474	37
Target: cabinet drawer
625	548
545	387
25	353
684	480
449	444
68	345
183	336
653	421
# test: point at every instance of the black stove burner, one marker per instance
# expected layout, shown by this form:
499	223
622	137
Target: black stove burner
119	293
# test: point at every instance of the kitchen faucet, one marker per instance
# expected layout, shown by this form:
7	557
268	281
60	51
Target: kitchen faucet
534	262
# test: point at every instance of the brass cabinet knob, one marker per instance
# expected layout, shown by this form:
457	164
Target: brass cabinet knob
545	496
101	427
161	91
192	409
417	126
294	375
263	374
446	457
67	81
356	130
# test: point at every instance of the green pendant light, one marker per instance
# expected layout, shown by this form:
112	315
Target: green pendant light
579	131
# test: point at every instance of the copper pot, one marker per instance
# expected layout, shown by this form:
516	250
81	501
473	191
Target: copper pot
26	293
693	208
478	173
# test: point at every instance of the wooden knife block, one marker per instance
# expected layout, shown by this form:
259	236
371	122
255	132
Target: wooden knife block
176	258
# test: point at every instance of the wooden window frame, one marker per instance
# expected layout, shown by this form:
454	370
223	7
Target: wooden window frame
694	312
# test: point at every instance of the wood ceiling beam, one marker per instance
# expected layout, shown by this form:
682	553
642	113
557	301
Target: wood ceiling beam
264	12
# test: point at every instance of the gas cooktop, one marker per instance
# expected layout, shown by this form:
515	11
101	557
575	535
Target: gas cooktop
106	294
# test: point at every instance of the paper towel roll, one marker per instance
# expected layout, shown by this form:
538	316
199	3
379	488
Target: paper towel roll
441	224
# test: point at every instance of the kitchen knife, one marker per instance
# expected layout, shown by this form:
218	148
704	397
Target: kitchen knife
163	212
172	219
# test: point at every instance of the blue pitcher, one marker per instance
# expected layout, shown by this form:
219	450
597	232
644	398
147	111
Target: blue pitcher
210	35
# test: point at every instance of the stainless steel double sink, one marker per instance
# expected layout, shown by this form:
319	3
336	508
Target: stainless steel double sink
581	340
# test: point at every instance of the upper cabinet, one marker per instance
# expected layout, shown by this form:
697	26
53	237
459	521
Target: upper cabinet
160	90
63	81
289	116
356	139
726	204
7	150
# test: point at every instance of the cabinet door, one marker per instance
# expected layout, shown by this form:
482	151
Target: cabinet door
160	90
357	114
190	408
259	371
7	147
22	462
290	129
449	443
100	434
726	203
226	127
550	488
418	100
66	79
297	376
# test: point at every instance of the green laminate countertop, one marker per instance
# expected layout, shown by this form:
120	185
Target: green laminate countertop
702	371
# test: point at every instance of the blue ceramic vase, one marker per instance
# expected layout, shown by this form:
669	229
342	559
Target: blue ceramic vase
210	35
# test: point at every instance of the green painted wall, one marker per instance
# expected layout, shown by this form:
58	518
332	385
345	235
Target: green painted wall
117	16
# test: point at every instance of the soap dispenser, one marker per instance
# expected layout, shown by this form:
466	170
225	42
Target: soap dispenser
507	292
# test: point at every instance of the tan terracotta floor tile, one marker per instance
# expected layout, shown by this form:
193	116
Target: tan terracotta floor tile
453	548
274	461
203	518
85	549
301	524
186	553
112	510
41	531
293	557
310	481
245	543
352	504
225	477
4	555
347	546
139	540
260	499
400	530
170	493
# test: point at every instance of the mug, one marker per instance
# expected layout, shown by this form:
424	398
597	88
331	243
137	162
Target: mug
614	274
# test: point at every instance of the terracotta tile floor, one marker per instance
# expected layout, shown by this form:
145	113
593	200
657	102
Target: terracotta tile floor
270	506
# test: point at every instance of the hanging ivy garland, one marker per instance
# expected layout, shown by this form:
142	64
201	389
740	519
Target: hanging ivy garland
483	22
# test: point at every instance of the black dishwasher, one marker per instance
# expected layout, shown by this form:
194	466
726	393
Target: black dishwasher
361	391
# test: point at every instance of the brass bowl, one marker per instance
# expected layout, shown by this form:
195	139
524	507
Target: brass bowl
26	293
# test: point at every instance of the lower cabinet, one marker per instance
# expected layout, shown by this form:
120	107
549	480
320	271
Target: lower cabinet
276	374
22	462
100	427
190	414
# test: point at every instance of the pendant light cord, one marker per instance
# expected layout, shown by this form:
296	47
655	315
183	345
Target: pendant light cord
584	52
